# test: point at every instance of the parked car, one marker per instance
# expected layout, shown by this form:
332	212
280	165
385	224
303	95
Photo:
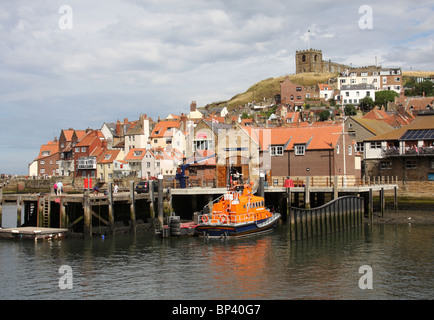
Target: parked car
142	187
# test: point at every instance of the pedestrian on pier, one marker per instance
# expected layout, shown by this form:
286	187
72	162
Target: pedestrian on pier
116	189
59	188
55	188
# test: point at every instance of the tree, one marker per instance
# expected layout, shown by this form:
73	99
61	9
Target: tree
324	115
382	97
350	110
366	104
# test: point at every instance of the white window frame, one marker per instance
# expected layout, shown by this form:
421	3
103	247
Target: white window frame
276	150
300	149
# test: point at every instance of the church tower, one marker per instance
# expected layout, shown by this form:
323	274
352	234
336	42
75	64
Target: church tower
309	61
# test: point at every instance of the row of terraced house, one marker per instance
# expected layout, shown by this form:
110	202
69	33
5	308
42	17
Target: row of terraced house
216	144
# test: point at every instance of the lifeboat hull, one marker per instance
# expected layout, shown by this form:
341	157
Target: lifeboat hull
219	230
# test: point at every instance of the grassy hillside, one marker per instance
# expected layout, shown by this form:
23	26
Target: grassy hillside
268	88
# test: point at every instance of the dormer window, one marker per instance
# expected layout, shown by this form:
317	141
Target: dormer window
137	153
107	156
300	149
276	151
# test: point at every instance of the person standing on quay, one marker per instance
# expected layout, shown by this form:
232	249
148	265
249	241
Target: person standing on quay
55	188
116	189
59	188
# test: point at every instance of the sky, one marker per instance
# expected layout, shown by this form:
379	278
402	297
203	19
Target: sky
77	64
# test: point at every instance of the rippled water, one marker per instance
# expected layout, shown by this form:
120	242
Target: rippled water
270	266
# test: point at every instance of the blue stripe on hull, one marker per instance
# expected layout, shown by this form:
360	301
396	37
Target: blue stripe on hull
234	231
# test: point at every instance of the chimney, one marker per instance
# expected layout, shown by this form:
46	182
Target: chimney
125	120
118	128
184	121
104	144
193	106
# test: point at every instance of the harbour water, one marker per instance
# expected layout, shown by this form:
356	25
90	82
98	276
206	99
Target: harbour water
266	267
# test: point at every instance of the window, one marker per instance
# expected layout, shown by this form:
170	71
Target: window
137	153
276	150
292	98
375	145
350	150
410	164
397	79
337	149
300	150
77	149
83	149
45	153
385	165
107	156
148	164
298	88
368	93
360	147
42	162
347	94
384	79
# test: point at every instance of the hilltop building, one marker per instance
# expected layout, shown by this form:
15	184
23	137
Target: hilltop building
311	61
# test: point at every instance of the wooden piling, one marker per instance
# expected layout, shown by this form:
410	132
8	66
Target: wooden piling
1	207
19	210
370	207
160	202
307	194
395	199
111	208
261	184
132	208
382	202
62	213
87	215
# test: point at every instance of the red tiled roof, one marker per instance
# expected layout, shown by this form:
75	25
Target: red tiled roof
161	128
52	147
131	156
113	154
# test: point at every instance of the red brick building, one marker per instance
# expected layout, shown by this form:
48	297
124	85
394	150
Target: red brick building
291	93
48	159
86	153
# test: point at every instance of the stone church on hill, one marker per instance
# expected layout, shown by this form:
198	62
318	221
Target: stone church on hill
311	61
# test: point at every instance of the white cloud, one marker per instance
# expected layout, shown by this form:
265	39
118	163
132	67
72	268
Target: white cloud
126	57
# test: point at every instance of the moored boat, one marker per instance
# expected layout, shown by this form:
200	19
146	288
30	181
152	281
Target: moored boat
237	213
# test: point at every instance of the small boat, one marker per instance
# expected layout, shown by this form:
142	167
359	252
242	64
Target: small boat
237	213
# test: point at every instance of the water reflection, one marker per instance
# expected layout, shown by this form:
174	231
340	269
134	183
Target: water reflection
263	267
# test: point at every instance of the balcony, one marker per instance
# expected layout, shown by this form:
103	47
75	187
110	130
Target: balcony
414	151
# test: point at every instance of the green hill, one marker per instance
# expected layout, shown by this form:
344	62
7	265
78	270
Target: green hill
268	88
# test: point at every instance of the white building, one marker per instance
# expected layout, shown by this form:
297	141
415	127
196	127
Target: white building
352	94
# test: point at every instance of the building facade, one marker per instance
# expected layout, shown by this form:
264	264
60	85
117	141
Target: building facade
312	61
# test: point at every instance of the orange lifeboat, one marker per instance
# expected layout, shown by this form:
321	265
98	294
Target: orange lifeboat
237	213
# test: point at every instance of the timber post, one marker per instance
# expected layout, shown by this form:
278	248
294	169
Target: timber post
395	199
111	207
87	230
261	184
19	210
132	208
160	201
307	194
1	207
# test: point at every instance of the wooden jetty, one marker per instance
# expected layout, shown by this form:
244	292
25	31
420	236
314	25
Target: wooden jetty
87	214
33	233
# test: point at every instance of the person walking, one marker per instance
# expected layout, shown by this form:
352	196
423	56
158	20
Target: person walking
55	188
116	189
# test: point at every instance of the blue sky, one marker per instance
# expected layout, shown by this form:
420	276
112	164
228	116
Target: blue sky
122	58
